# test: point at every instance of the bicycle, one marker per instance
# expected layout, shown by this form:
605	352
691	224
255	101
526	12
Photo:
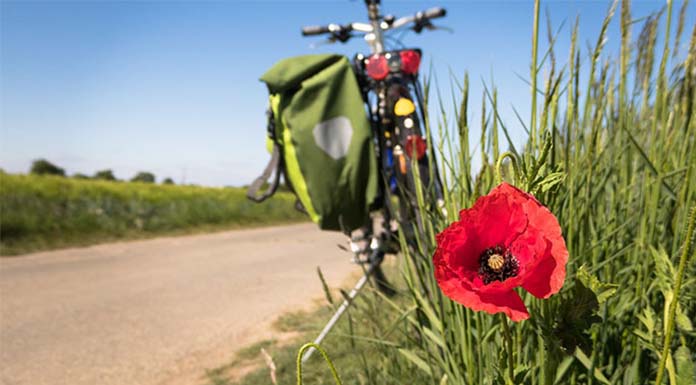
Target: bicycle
388	79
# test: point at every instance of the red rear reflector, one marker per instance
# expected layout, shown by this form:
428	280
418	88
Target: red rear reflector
410	61
377	67
415	142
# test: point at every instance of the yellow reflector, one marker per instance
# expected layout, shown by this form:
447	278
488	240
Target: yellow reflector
404	107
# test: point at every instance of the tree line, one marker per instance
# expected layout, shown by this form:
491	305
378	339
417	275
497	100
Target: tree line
44	167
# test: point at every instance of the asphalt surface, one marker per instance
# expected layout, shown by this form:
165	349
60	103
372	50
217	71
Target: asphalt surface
158	311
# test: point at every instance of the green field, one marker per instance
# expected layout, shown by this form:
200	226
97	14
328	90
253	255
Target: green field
43	212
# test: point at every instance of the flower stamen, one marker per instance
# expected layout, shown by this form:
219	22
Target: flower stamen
497	264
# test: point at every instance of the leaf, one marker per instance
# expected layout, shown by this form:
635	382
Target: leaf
425	308
643	335
576	315
686	371
562	369
520	373
683	321
436	339
443	380
490	333
664	269
602	290
648	320
585	361
551	180
325	286
419	362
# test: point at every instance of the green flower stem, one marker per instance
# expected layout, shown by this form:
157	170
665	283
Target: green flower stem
533	72
499	165
550	361
323	354
675	298
508	345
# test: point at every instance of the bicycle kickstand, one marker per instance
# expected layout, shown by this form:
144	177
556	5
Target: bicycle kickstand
374	262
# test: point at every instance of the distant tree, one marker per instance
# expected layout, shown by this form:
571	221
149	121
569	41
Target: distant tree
80	176
282	187
168	181
105	175
44	167
144	177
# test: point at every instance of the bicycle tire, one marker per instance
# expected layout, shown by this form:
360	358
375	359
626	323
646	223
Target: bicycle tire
410	218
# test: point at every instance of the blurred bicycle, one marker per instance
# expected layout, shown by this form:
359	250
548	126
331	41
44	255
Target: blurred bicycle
393	96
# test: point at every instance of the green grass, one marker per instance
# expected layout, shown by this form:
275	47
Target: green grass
44	212
252	351
360	358
612	153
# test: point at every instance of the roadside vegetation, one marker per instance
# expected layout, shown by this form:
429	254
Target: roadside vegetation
612	153
48	211
352	344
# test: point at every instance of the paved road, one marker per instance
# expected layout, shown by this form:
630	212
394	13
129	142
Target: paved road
156	311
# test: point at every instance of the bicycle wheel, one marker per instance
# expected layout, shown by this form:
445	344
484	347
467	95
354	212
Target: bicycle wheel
417	189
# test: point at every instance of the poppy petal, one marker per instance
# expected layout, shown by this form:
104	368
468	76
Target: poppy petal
459	250
490	301
498	217
545	276
508	302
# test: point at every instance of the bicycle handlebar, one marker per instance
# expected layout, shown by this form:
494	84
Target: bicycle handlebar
419	18
434	13
315	30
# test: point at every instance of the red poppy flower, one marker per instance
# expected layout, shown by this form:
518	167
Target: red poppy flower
507	239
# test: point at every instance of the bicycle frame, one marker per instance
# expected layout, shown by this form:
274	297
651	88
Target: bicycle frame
389	129
380	93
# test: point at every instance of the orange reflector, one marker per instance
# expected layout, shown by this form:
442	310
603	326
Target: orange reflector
402	164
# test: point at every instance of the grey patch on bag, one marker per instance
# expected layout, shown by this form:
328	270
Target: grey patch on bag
334	136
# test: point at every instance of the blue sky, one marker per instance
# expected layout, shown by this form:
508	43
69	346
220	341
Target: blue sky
172	87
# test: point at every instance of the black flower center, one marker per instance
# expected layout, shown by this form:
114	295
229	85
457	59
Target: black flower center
497	264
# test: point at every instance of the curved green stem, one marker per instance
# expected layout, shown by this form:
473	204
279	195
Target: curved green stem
323	354
499	164
675	297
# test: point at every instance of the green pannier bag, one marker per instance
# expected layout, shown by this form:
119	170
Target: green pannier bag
321	141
